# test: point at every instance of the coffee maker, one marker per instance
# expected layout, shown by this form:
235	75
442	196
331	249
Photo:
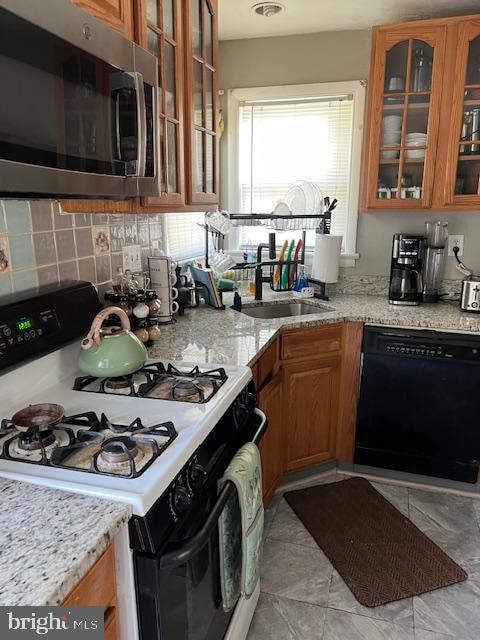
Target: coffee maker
406	270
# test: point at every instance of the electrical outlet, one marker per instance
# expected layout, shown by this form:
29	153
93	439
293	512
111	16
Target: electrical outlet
132	258
455	241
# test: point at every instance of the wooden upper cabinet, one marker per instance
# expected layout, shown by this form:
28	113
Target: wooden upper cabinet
160	31
402	126
461	122
115	13
201	101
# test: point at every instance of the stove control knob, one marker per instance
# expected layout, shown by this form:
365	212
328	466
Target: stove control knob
197	477
182	499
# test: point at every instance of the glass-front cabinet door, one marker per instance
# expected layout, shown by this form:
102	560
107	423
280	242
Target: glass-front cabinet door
162	35
462	186
202	101
402	132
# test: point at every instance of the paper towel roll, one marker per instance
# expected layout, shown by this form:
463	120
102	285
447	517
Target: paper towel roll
326	257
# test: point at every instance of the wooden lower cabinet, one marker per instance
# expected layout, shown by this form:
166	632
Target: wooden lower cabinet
311	406
98	588
272	445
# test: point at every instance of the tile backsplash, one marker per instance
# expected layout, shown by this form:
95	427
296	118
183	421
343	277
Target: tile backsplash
39	244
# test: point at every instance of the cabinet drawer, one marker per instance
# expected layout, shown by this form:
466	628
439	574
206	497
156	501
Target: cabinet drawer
266	365
97	588
311	343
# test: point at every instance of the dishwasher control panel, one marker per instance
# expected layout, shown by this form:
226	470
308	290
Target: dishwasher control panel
421	344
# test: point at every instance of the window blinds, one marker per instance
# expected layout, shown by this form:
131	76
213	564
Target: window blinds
283	141
182	237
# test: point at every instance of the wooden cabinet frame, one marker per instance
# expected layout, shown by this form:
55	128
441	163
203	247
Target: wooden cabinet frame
384	39
451	38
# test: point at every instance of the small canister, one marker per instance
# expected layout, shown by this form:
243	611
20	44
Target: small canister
153	303
154	332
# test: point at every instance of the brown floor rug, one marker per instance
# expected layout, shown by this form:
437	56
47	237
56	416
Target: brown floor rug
379	553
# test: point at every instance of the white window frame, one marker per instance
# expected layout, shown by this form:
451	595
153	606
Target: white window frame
356	88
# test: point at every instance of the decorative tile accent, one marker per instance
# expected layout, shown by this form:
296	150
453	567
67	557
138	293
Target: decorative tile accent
45	251
5	260
23	280
84	242
101	240
21	251
17	213
42	219
65	245
117	237
131	232
143	235
47	275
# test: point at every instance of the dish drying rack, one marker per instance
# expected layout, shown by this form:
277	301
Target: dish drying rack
303	222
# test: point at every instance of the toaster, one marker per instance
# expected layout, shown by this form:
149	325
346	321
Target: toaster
470	300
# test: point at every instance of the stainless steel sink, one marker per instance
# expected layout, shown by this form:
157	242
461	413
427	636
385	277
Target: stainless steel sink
283	310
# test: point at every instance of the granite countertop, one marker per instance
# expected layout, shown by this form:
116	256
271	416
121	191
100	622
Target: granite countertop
49	539
227	337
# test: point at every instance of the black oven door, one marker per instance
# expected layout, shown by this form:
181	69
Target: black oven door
178	590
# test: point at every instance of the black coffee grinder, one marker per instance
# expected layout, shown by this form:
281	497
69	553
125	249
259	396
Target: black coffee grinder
406	270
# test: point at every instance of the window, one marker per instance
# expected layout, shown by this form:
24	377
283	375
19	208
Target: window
183	238
286	134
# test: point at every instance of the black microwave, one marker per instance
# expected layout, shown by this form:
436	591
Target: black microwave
77	106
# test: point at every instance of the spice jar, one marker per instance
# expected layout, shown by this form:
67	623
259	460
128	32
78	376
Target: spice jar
141	332
154	332
124	304
154	304
140	310
111	299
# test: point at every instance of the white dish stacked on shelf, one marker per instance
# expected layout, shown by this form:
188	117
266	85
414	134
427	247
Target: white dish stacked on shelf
391	136
416	139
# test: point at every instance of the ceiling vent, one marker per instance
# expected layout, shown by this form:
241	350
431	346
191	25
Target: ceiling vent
268	9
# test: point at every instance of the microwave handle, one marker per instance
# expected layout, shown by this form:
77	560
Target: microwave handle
142	123
189	549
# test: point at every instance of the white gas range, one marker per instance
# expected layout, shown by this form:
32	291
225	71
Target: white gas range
164	457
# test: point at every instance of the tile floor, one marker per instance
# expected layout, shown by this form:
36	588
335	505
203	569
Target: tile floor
304	598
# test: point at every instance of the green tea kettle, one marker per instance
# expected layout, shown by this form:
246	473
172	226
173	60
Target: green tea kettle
111	354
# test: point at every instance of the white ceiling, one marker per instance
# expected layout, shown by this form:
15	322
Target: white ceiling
237	20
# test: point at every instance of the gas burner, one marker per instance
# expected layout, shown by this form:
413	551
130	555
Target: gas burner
35	440
157	381
113	449
121	386
119	449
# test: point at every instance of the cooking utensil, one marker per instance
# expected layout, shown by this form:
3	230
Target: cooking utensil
298	248
287	267
38	416
278	269
116	353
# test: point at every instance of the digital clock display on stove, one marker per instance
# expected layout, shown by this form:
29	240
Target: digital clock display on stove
24	324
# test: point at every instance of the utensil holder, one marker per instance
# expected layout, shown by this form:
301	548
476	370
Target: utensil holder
292	268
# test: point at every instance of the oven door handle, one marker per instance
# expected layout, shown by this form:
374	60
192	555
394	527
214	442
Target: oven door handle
188	550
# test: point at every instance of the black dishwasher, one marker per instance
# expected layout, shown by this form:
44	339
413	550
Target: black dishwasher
419	403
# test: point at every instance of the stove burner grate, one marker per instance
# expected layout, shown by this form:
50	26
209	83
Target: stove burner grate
186	386
119	449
